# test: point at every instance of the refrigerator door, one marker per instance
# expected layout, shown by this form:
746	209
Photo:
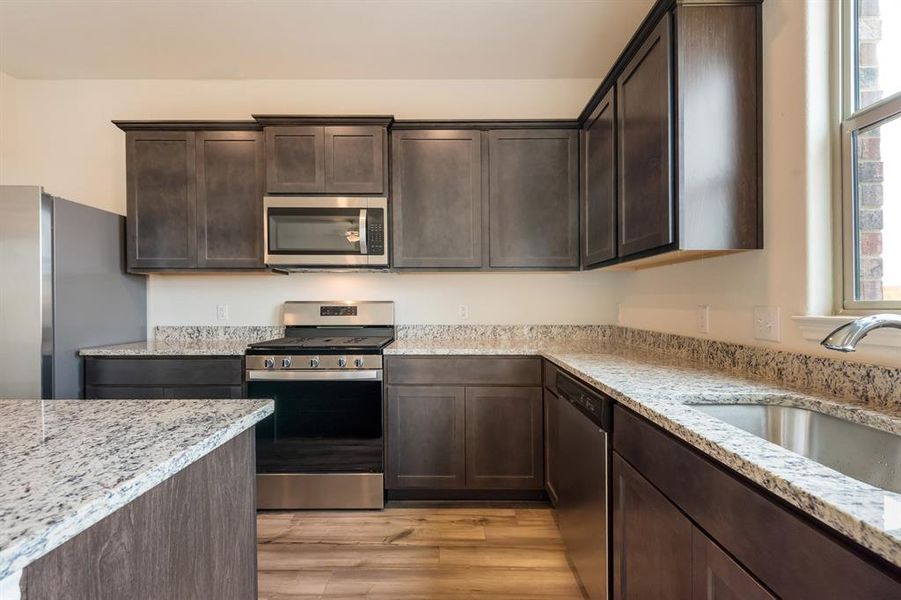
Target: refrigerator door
95	302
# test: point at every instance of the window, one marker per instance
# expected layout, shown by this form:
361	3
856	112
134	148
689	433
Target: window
871	155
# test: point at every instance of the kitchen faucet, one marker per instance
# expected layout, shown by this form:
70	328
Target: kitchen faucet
846	337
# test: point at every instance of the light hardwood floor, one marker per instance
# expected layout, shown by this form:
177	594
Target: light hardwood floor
406	553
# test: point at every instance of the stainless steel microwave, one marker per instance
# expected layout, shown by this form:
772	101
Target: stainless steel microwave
327	231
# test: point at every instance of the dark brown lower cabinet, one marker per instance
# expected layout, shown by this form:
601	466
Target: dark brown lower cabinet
504	438
716	576
426	437
464	426
671	502
659	553
651	540
183	377
192	536
465	438
551	444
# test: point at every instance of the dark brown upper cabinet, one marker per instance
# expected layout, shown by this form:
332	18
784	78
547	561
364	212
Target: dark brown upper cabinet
229	199
687	139
161	200
598	179
194	195
325	155
534	198
355	159
295	160
437	198
645	120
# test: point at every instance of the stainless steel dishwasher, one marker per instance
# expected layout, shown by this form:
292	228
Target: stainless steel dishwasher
585	421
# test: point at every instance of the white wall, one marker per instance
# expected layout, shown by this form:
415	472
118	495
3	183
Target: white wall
59	136
502	298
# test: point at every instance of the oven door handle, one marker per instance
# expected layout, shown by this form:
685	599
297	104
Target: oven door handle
360	375
364	242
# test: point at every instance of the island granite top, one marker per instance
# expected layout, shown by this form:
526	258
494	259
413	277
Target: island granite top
662	388
69	463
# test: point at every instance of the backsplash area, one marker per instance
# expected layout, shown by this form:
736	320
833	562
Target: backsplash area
874	384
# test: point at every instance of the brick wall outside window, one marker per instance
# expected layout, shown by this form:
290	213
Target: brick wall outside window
869	157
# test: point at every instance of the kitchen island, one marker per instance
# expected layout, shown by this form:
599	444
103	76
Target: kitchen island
128	498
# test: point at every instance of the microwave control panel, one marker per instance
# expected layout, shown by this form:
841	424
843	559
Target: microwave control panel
376	231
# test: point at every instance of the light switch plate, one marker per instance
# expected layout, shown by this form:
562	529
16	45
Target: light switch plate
767	323
703	318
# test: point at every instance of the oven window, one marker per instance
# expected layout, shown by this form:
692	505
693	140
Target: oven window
320	427
314	231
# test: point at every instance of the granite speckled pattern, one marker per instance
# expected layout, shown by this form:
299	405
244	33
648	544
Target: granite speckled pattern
874	384
172	348
205	333
69	463
493	333
662	387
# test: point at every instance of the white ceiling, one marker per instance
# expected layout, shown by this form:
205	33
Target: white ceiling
314	39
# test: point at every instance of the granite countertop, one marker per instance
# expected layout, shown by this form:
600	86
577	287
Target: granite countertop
663	388
235	347
69	463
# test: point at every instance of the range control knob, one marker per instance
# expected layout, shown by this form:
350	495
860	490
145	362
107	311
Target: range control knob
269	362
314	362
358	363
342	361
286	362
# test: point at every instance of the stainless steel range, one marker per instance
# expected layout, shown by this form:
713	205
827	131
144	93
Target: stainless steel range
323	447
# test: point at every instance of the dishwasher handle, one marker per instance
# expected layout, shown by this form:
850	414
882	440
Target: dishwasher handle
593	404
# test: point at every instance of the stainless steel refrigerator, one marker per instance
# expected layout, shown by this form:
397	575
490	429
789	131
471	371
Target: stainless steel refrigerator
63	287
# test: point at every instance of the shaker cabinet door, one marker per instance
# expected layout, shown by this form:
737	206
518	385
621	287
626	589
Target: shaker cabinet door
716	576
436	187
504	438
229	199
355	159
161	200
425	445
645	129
534	198
599	184
295	159
652	540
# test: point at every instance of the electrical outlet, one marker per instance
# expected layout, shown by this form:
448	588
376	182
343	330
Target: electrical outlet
619	313
222	312
463	312
767	323
703	318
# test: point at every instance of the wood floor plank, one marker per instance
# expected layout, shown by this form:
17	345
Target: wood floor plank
453	553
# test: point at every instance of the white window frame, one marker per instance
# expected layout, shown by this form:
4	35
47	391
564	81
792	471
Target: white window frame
852	121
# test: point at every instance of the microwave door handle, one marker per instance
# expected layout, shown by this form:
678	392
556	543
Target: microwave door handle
364	245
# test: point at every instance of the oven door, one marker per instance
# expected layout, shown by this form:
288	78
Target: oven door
323	445
324	231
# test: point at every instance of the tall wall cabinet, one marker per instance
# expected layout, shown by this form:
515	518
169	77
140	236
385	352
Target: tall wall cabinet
671	151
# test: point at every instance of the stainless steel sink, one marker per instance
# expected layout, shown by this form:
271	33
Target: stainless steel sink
863	453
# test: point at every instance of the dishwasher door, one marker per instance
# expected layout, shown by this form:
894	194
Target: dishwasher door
582	496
